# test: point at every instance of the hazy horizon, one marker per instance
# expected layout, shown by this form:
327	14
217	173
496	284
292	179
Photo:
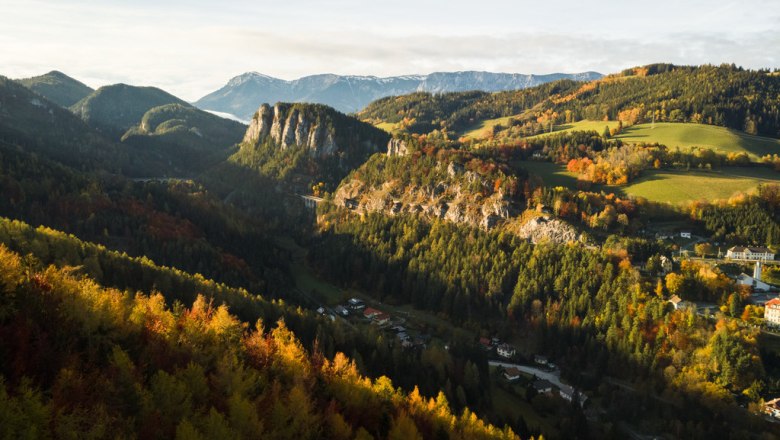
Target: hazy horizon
193	48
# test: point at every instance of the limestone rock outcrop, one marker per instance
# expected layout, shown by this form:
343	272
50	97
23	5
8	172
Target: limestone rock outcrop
291	127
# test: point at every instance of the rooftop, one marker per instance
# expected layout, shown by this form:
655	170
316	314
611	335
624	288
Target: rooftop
752	249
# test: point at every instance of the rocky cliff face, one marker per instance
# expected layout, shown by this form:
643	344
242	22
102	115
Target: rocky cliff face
397	147
291	127
545	228
449	199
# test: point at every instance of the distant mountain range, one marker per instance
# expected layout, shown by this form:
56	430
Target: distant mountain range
242	95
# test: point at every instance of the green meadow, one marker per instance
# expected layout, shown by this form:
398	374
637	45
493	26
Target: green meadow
672	186
687	136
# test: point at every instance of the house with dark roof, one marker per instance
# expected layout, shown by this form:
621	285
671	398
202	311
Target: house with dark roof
356	304
757	253
569	393
542	386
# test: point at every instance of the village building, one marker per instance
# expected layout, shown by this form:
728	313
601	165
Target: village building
381	319
512	374
750	253
756	285
773	408
772	312
506	351
754	282
679	304
371	312
356	304
542	386
569	393
541	360
666	264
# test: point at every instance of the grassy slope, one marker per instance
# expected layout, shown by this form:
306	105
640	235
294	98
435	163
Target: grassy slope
678	186
671	186
597	126
552	173
699	135
387	126
683	135
480	129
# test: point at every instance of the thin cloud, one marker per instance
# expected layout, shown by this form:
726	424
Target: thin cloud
192	48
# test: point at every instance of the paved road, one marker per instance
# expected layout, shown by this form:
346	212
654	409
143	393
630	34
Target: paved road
553	376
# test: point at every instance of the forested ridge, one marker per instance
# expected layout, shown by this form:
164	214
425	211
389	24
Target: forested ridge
592	309
207	306
82	360
723	95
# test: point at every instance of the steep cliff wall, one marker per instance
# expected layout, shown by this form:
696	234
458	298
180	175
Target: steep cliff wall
449	191
309	142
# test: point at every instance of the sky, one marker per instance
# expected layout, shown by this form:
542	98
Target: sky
193	47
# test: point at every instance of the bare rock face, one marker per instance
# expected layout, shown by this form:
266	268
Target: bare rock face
302	131
328	146
260	126
446	199
544	228
295	128
288	135
397	147
277	125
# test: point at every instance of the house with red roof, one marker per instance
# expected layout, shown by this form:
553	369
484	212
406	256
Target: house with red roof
772	312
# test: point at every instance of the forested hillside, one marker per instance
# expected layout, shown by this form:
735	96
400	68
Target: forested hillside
592	310
724	95
168	273
58	88
114	109
84	360
34	124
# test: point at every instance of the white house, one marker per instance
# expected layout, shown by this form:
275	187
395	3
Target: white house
746	280
506	351
679	304
569	393
685	234
750	253
772	311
